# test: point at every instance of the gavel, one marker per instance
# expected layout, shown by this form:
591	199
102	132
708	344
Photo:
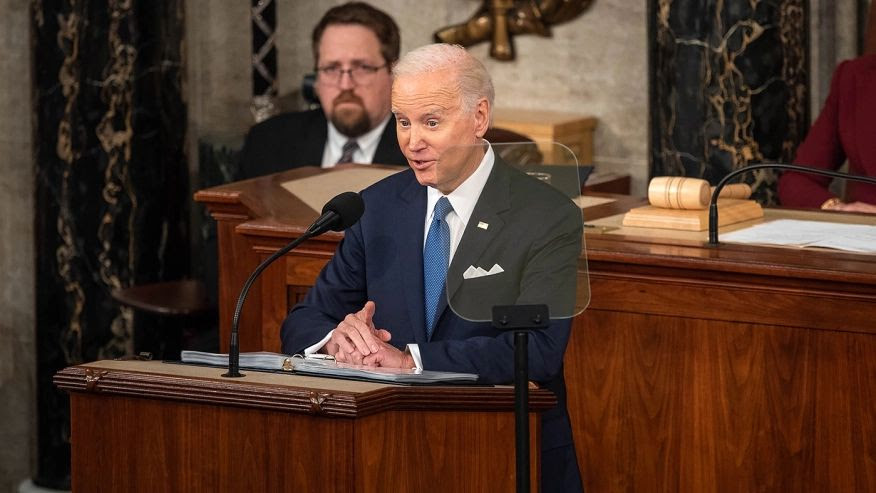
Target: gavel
680	192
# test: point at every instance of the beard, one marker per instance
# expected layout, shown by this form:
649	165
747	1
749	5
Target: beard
352	120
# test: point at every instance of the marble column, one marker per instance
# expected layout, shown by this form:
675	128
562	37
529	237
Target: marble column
111	185
729	87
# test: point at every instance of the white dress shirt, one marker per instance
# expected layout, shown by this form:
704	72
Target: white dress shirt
463	200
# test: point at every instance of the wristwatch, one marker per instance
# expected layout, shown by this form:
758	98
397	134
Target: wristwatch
831	203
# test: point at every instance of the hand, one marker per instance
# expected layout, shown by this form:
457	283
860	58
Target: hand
353	358
389	356
855	207
356	336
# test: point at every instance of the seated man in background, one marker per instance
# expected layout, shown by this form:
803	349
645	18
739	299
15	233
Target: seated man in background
383	298
354	47
845	129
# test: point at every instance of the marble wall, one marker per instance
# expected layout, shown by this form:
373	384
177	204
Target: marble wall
730	88
17	353
111	186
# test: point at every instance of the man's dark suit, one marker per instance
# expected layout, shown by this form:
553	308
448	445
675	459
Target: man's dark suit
532	231
292	140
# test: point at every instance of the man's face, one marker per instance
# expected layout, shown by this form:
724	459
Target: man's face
353	106
440	139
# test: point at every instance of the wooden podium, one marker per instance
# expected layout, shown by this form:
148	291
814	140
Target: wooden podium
153	426
693	368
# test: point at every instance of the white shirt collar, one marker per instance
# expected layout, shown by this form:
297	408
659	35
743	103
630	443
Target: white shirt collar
463	199
466	195
368	143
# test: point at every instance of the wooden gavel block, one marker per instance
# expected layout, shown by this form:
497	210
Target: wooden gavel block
678	202
680	192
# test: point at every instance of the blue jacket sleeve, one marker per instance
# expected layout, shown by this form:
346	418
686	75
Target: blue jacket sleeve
339	290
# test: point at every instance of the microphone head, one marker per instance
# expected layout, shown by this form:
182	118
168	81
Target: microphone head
348	208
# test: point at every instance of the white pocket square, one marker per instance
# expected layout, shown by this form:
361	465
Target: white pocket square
474	272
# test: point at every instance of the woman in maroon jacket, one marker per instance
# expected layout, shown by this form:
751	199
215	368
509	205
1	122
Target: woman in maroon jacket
845	129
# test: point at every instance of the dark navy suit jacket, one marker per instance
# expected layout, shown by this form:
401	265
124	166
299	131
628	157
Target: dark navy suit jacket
292	140
533	232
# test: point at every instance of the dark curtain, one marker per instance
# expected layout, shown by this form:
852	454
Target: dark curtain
112	191
729	87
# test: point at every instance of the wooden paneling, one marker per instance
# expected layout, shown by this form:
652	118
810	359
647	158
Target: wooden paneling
151	426
732	301
691	405
153	445
700	368
441	447
547	127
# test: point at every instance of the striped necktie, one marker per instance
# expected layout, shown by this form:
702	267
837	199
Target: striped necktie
347	151
436	258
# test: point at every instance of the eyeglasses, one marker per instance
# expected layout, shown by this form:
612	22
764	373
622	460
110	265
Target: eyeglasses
359	74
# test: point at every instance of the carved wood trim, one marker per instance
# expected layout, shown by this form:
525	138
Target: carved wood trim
229	392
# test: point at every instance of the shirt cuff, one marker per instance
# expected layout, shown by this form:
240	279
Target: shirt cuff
316	347
414	349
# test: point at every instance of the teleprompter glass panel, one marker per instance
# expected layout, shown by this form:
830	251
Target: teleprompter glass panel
523	243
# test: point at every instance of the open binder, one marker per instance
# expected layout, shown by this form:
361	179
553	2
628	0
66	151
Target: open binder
321	365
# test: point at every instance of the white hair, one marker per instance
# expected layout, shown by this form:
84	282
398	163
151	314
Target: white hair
474	80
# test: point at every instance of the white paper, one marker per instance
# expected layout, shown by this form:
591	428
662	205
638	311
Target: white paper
261	360
860	238
309	366
316	190
584	201
324	365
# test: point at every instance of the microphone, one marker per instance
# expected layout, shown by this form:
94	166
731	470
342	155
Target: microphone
713	203
338	214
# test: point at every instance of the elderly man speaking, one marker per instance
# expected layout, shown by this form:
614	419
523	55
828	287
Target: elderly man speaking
397	294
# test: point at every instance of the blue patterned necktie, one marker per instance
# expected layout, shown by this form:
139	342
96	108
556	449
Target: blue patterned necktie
436	258
347	151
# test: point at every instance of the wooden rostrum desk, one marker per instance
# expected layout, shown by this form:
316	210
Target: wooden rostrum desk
153	426
693	368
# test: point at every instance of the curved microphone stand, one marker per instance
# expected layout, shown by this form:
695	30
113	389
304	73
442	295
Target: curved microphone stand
713	203
339	213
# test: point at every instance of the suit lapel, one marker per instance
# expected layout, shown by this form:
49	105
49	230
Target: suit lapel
388	151
313	145
494	200
410	227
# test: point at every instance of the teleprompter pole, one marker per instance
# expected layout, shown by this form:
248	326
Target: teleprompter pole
521	319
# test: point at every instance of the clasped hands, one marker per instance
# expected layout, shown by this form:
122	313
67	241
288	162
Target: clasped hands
356	340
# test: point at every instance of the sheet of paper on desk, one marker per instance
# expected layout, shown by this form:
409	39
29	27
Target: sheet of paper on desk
263	360
584	201
321	367
316	190
860	238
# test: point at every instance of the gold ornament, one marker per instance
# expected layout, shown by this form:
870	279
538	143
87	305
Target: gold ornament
498	20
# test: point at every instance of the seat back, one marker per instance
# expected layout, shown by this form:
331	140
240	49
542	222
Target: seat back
519	155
